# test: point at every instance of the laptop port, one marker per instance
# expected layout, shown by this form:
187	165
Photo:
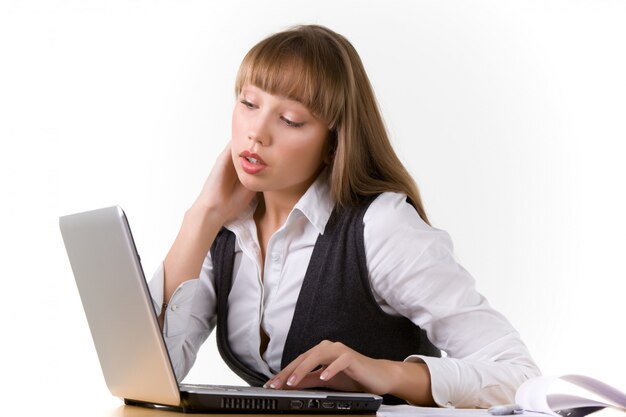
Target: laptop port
328	404
343	406
296	404
314	404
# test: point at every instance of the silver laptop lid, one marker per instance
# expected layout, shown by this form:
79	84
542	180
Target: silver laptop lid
110	281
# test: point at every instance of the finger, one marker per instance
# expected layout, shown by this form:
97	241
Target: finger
321	355
340	382
310	380
340	364
279	379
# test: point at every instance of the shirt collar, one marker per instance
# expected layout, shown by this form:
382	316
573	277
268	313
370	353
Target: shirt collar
316	205
238	225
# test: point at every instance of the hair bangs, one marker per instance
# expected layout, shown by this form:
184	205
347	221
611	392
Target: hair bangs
296	67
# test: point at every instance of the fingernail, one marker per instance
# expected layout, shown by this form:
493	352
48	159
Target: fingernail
291	380
324	375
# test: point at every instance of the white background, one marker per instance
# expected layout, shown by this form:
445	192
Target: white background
510	115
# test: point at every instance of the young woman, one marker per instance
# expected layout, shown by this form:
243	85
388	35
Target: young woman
310	251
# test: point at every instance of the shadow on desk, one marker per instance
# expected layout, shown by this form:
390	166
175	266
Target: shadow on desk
135	411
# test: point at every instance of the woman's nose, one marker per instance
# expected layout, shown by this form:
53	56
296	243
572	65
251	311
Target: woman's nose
259	131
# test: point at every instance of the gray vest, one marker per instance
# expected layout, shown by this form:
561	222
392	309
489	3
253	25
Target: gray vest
335	302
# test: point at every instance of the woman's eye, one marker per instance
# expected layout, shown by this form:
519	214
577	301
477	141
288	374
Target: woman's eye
247	104
291	123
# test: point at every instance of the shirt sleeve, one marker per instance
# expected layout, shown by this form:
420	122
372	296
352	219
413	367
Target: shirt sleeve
414	273
190	316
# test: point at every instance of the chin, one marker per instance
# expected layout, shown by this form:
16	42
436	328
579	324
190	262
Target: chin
252	184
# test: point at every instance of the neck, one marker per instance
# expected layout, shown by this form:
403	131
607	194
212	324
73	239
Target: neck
271	213
274	206
274	209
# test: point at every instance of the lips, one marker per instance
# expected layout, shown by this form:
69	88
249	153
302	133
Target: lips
251	162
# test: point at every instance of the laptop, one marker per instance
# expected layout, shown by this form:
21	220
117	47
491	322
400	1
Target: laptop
128	340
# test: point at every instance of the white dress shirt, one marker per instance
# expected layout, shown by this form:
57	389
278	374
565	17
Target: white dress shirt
412	271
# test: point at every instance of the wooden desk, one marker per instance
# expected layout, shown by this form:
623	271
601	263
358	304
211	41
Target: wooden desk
133	411
118	409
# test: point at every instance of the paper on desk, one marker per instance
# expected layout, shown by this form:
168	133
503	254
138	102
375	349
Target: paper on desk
533	394
411	411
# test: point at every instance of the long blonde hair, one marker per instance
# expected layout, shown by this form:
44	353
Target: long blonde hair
322	70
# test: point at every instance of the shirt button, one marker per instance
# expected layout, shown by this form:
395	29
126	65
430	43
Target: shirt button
174	307
275	257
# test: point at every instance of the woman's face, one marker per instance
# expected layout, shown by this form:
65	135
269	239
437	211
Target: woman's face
277	144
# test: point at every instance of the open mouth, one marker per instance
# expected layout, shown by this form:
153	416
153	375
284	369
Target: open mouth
252	163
